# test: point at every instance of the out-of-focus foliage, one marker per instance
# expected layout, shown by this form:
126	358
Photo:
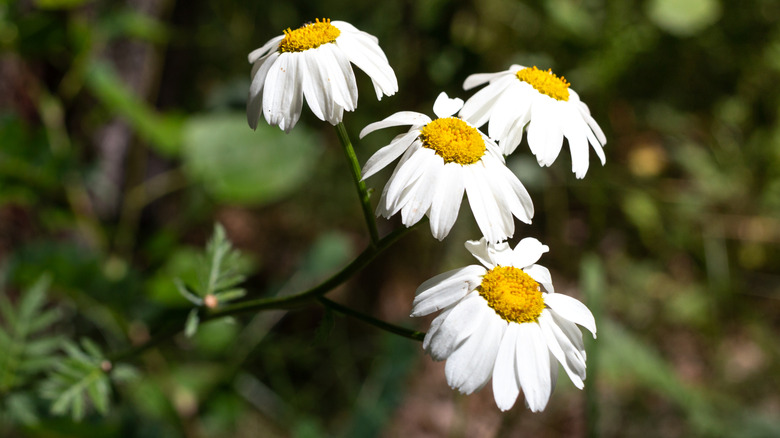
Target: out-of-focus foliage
122	141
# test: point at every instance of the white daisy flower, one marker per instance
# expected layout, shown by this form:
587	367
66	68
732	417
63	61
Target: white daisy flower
313	61
496	321
544	102
441	159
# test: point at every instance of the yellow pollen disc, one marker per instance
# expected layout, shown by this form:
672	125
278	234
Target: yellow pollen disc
453	140
545	82
513	294
309	36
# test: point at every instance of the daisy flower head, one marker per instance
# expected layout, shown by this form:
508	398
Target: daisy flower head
526	98
503	320
439	160
313	62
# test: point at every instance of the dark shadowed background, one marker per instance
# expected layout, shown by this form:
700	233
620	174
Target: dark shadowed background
123	139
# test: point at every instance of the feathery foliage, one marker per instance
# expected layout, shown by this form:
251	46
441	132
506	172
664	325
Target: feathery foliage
26	347
219	274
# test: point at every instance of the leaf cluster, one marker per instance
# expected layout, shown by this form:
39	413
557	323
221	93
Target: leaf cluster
220	273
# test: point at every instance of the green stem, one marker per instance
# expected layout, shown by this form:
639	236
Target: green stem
360	185
392	328
286	302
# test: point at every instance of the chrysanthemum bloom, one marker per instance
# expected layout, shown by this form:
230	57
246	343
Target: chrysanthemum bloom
441	159
313	61
497	321
545	103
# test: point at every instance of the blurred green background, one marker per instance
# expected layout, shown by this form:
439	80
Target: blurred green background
123	139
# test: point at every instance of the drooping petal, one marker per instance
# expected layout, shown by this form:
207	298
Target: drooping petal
254	106
533	366
506	387
470	366
571	309
461	322
509	190
495	223
282	93
408	172
366	54
316	89
420	194
545	138
562	349
447	196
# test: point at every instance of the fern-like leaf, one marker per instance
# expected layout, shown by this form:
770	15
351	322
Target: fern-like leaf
222	268
79	381
26	348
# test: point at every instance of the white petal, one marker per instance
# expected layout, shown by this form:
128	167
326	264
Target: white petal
283	94
528	251
571	309
397	119
469	367
341	76
506	388
562	349
445	289
479	107
366	54
254	106
344	26
481	78
316	90
496	225
445	107
572	332
544	136
420	195
533	366
256	54
479	249
447	197
508	107
388	154
385	207
509	191
460	323
500	254
574	129
541	275
400	184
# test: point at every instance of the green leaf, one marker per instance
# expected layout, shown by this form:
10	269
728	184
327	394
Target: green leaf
230	295
162	131
240	166
191	326
185	292
25	349
78	382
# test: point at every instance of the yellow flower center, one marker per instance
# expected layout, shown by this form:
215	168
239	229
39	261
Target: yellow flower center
545	82
309	36
453	140
513	294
